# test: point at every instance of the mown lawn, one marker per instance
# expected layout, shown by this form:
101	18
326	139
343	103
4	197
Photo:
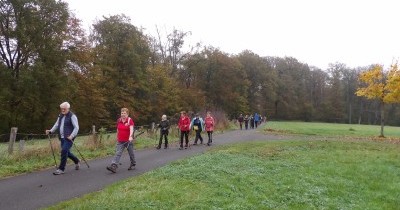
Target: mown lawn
330	129
281	174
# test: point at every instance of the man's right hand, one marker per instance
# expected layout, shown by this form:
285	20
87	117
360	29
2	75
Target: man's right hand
48	132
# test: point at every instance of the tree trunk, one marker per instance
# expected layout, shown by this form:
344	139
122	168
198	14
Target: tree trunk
382	118
349	113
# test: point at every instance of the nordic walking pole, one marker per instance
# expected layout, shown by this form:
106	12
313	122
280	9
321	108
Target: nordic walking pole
52	151
155	140
81	155
128	142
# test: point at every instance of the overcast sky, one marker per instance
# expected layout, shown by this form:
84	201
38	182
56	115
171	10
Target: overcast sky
317	32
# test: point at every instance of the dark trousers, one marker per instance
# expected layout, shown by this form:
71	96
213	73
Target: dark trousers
186	134
209	133
256	123
240	123
246	124
198	136
66	153
165	135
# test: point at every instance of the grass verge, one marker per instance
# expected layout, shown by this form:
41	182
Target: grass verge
37	154
264	175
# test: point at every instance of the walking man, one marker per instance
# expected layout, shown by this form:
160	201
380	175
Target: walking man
67	127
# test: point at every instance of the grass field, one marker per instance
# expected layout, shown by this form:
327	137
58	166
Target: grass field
331	129
264	175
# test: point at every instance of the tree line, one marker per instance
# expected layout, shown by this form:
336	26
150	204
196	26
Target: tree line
46	58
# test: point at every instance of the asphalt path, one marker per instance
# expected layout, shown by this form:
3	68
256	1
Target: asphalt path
42	189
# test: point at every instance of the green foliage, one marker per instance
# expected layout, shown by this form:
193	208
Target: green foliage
31	38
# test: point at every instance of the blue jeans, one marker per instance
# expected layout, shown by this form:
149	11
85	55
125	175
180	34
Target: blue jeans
66	145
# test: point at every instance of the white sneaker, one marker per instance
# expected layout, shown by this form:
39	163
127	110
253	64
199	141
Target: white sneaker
58	172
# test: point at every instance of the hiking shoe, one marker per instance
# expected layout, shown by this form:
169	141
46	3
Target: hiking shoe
58	172
78	165
112	168
132	167
194	144
180	148
208	144
159	147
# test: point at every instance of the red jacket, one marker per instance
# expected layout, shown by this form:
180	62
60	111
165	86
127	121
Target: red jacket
184	123
209	121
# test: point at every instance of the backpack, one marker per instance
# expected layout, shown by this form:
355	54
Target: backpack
197	124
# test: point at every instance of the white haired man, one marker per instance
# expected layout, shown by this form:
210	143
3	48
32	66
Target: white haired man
67	127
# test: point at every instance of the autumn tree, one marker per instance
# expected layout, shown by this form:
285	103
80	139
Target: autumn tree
121	55
33	57
381	85
335	101
262	82
221	79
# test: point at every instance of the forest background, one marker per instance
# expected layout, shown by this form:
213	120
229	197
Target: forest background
46	58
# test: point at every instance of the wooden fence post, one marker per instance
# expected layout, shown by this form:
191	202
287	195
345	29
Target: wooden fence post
153	125
21	145
13	136
94	137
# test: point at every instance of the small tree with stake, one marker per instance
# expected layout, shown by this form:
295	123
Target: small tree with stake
381	85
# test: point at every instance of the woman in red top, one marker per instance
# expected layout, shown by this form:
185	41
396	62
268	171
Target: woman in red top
184	126
125	137
209	121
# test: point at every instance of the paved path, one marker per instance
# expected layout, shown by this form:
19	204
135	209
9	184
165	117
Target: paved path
42	189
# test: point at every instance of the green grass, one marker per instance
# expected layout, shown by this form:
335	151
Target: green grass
264	175
331	129
37	153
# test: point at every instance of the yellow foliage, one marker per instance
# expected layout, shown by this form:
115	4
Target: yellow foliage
381	85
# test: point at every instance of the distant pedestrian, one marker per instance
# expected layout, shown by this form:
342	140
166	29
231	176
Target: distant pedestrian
246	121
125	139
209	124
164	130
240	119
67	127
197	125
251	122
256	119
184	127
